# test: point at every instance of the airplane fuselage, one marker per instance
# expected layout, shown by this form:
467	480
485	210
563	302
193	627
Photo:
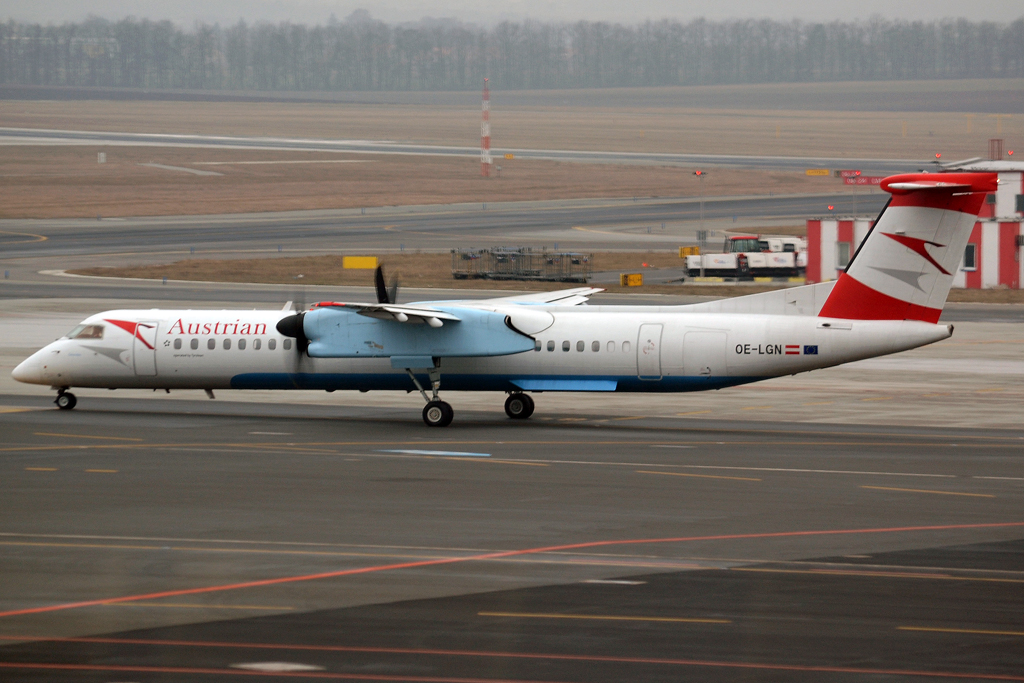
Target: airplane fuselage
586	348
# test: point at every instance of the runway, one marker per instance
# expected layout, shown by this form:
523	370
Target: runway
207	536
33	136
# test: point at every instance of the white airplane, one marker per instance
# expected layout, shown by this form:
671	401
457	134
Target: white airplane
889	299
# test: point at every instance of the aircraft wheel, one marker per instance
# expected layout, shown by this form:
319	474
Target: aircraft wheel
66	401
438	414
519	406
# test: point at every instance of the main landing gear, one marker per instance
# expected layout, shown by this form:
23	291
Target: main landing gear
65	400
436	413
519	406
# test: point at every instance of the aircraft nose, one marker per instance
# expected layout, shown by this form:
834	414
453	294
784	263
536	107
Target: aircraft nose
29	371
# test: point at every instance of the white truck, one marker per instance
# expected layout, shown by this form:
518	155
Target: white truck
753	256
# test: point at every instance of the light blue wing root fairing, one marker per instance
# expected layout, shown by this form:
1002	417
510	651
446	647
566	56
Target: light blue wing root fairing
439	332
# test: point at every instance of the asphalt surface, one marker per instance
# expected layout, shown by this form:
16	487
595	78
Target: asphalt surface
72	137
184	540
597	224
152	538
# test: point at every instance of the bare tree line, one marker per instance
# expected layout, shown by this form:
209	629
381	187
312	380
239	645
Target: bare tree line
363	54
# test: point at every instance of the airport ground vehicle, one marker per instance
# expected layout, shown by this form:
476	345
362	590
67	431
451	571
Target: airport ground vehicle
752	256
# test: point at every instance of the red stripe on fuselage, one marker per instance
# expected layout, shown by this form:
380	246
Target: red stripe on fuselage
853	300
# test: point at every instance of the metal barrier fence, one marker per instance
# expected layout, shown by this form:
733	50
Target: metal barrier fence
520	263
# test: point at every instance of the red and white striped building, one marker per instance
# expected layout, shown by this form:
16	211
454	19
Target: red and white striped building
995	251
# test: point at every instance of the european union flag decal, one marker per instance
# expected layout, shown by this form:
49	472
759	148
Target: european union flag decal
810	350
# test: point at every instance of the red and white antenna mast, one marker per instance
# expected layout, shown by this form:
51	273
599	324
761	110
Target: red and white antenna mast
485	133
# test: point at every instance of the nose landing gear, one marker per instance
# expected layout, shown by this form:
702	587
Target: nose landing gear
65	400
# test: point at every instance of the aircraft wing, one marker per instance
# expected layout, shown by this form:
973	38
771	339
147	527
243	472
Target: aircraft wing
402	314
562	297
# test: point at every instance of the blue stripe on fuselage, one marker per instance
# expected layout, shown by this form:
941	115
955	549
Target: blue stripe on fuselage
322	381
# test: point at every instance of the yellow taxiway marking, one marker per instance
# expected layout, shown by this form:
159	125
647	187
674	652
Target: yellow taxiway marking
893	575
18	410
945	393
103	471
35	237
757	408
961	630
695	412
941	493
987	391
181	605
40	469
879	398
701	476
87	436
602	617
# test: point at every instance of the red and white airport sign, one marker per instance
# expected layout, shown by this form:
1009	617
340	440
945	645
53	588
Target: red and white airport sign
849	173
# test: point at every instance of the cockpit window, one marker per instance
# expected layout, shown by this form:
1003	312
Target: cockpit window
86	332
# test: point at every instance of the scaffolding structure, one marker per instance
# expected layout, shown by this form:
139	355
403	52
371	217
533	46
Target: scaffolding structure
520	263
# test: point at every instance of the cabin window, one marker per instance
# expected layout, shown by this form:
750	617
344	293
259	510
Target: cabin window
211	344
194	344
970	257
241	345
551	345
625	347
566	346
271	344
580	345
595	347
227	344
537	345
86	332
842	254
256	344
611	347
287	344
177	343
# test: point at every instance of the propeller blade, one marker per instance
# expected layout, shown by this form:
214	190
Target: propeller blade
378	284
393	290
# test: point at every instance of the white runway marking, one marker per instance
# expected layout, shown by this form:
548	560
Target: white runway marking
446	453
193	171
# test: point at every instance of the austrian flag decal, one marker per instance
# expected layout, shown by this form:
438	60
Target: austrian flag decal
792	349
806	350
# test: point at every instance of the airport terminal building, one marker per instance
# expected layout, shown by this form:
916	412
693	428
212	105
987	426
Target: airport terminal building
994	256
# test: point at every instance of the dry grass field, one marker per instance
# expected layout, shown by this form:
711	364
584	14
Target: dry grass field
801	120
67	182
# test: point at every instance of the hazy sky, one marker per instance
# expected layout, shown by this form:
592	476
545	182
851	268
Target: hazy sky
186	12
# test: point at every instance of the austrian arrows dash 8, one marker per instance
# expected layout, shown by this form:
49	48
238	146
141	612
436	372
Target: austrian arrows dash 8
888	300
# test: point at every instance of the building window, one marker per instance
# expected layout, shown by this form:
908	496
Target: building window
271	344
177	343
970	257
990	199
211	344
1020	203
241	345
566	346
842	254
595	347
194	344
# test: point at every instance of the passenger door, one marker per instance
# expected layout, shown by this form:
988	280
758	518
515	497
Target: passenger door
648	352
144	349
